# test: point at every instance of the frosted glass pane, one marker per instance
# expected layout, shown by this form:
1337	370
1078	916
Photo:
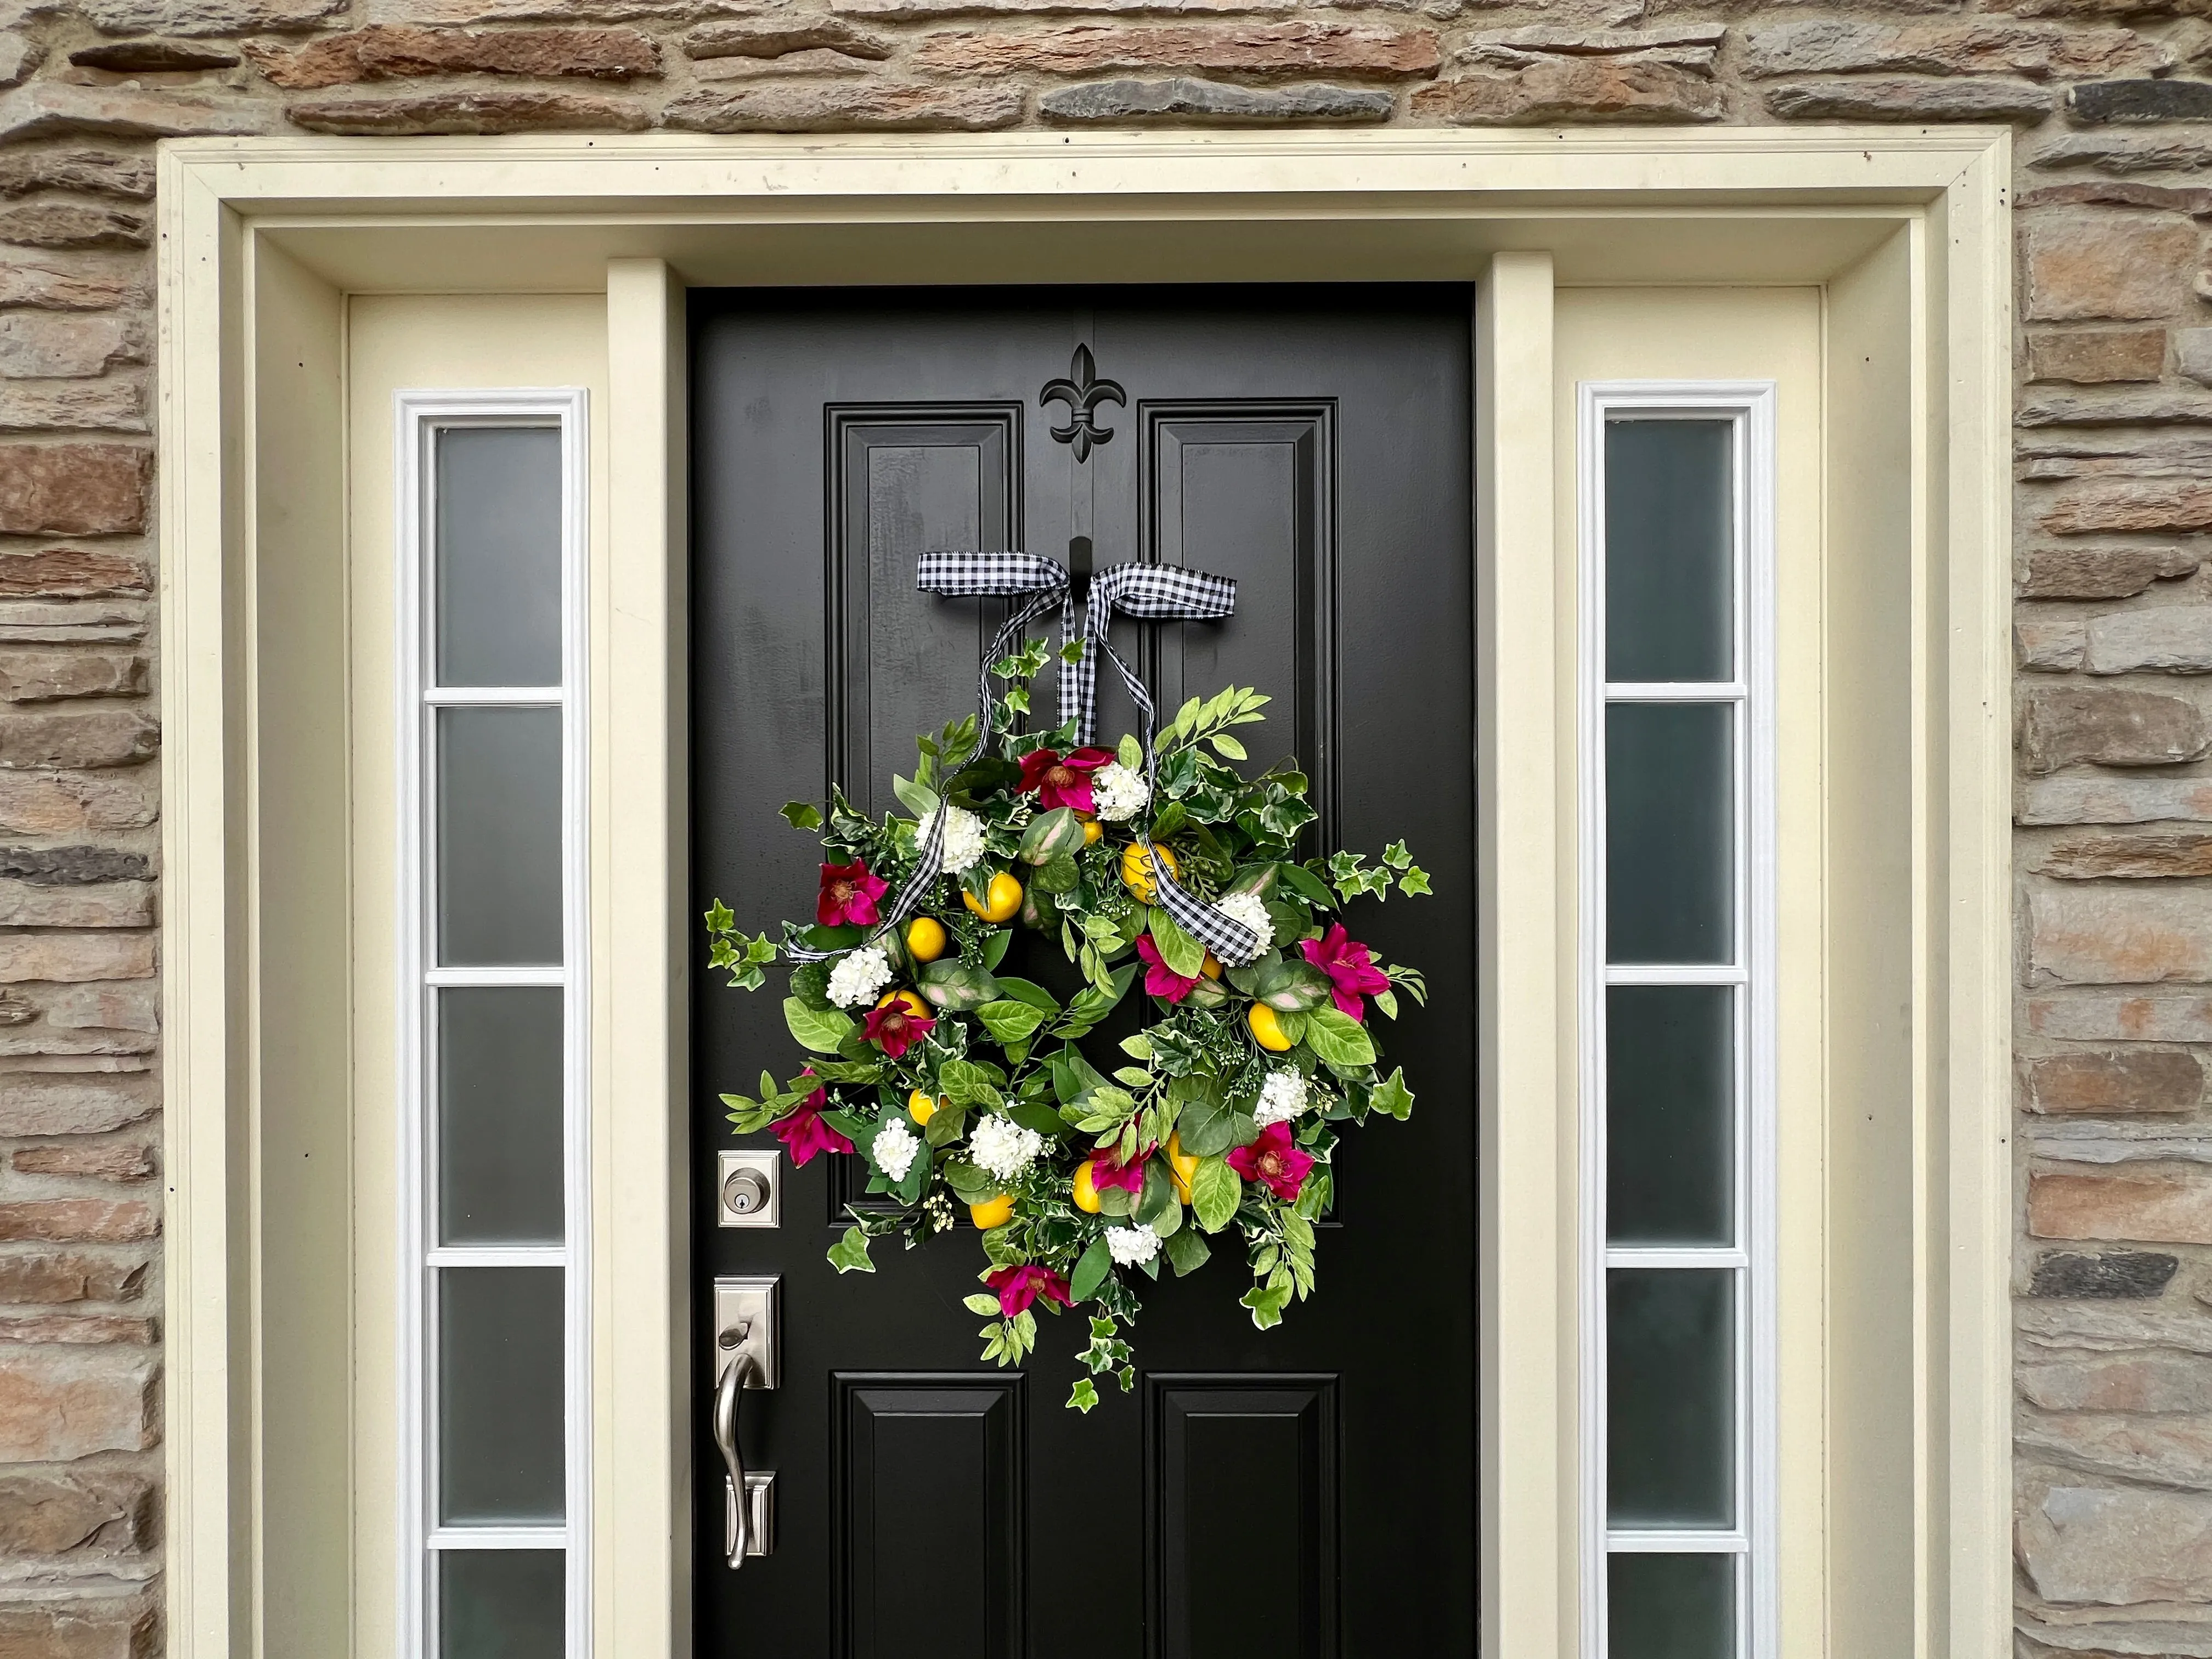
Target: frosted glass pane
1669	561
499	836
1671	1606
1670	832
500	1400
498	1115
502	1604
498	556
1670	1112
1670	1397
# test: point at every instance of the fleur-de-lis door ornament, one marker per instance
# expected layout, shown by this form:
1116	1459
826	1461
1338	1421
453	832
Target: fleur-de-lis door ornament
1083	391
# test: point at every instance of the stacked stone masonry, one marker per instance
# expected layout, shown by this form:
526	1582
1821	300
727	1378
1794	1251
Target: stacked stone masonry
2113	103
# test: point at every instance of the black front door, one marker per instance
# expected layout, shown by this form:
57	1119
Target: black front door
1304	1492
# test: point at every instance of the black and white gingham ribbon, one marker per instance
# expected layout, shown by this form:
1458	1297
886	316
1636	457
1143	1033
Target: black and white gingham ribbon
1156	591
929	859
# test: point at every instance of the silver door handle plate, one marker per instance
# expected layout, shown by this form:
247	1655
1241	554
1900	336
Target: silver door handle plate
760	1535
748	1187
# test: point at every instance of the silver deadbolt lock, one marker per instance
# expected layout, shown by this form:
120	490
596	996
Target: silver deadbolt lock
747	1184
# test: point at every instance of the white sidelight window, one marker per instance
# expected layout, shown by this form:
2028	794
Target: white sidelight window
1677	1017
493	1320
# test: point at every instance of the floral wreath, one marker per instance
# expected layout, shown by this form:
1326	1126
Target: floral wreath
962	1087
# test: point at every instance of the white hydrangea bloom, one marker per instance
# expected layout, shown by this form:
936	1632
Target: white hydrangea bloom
1252	910
895	1146
859	975
1282	1097
1131	1246
963	840
1117	793
1003	1148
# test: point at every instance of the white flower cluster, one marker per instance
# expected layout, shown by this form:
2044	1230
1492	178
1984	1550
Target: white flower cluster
895	1146
1129	1246
858	977
1282	1097
1001	1147
963	840
1117	793
1252	910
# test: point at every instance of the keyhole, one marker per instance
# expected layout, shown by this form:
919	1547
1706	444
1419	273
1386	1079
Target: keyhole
745	1192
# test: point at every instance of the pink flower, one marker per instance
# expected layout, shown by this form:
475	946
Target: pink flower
1061	782
848	896
1273	1160
1160	980
1128	1177
1019	1286
803	1133
1352	971
895	1027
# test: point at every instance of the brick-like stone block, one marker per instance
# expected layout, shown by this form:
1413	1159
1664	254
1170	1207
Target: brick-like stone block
2153	854
99	1160
1301	48
386	51
52	676
71	573
1838	46
78	1330
205	17
95	172
779	35
470	110
74	957
2113	800
108	904
78	1221
56	1406
2062	725
2173	639
2121	1018
123	1006
2165	1204
1909	98
2111	505
23	283
2097	356
2052	644
1560	90
62	867
2108	265
2168	1451
73	224
73	489
1185	98
45	406
156	56
66	344
2119	936
2113	1276
2111	1547
78	737
49	1513
47	109
105	1627
2112	1080
68	803
2140	100
873	107
56	1278
2099	573
2186	407
73	1102
2163	1382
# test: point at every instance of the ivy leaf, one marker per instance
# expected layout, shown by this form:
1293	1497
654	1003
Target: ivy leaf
1266	1303
1187	1251
1216	1190
1082	1396
1415	880
1337	1038
849	1255
1181	952
801	815
1091	1271
819	1029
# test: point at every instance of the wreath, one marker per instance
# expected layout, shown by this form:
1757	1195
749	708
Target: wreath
964	1088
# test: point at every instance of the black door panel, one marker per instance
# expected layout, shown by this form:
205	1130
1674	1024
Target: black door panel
1308	1491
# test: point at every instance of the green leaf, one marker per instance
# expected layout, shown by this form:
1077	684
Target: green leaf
994	948
1415	880
1181	952
849	1255
980	1303
1396	856
1337	1038
800	816
1158	1196
972	1186
1291	986
1309	886
1035	1115
1009	1021
1023	990
1208	1128
1059	874
1391	1095
920	801
1187	1250
956	985
1082	1396
1387	1002
1091	1271
819	1029
1225	745
1130	753
1266	1304
1216	1190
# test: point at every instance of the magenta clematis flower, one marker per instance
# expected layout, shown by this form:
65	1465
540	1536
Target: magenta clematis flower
1128	1177
1019	1286
895	1027
1352	971
1273	1160
1160	980
848	896
803	1133
1060	781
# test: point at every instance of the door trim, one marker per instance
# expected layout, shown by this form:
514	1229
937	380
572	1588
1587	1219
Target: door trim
262	239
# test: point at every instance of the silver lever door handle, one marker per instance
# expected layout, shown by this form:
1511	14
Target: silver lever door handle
727	1392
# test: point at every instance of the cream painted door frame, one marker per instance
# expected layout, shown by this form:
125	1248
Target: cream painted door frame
1904	234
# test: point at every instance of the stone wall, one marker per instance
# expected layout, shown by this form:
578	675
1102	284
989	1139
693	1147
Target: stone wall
2112	99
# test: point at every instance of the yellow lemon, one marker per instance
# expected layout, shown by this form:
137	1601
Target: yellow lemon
1181	1164
1001	900
1093	832
924	938
910	1001
1210	967
1266	1031
920	1108
1086	1190
996	1213
1137	869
